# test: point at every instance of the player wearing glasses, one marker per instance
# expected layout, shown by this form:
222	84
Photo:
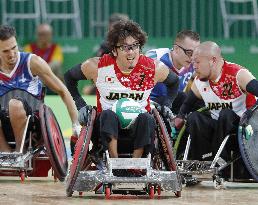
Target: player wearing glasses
178	59
124	72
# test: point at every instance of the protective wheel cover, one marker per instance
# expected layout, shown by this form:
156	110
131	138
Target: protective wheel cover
248	144
167	144
165	141
80	153
53	141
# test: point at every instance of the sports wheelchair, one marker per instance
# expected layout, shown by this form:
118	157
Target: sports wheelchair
194	171
42	141
160	167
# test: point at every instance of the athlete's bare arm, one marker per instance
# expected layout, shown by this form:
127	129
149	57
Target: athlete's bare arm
161	72
40	68
90	68
243	78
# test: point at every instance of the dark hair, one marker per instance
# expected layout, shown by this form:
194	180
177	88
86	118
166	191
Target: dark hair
124	29
187	33
6	32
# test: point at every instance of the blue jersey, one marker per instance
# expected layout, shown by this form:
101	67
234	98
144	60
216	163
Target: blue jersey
21	77
184	74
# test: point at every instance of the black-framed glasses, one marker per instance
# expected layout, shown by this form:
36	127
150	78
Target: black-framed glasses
188	52
127	48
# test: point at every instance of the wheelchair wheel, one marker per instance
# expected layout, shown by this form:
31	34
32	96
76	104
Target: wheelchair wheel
80	153
53	141
165	142
166	145
248	145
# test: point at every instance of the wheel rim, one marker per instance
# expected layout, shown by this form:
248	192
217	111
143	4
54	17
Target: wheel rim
76	165
169	155
54	142
58	143
80	154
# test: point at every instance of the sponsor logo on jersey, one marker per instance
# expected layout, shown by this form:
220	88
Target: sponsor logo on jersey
218	106
117	96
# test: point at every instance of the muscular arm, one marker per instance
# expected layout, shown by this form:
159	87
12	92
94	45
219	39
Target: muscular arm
40	68
170	79
90	68
87	70
247	82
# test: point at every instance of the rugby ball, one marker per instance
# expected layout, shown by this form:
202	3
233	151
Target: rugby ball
127	111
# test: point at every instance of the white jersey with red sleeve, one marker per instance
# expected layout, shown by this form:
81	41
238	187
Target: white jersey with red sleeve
225	93
112	84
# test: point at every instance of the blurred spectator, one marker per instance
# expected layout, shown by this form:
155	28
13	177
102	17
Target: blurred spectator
103	49
46	49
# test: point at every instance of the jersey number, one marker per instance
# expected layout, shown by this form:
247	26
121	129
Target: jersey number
227	89
142	76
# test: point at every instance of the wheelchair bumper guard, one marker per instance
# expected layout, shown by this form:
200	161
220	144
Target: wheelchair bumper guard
15	160
89	180
195	167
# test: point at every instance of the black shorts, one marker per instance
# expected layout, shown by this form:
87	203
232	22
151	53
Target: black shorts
140	134
30	103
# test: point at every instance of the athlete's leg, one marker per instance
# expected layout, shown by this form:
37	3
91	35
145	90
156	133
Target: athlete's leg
112	147
227	125
143	130
201	128
109	128
4	147
18	118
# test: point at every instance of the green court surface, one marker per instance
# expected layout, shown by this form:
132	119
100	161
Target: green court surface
61	113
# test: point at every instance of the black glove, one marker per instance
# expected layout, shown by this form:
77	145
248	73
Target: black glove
84	114
247	115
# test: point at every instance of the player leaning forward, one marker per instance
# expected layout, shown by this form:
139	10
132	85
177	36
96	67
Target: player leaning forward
123	72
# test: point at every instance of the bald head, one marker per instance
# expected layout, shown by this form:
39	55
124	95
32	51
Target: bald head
44	35
44	28
209	49
207	61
